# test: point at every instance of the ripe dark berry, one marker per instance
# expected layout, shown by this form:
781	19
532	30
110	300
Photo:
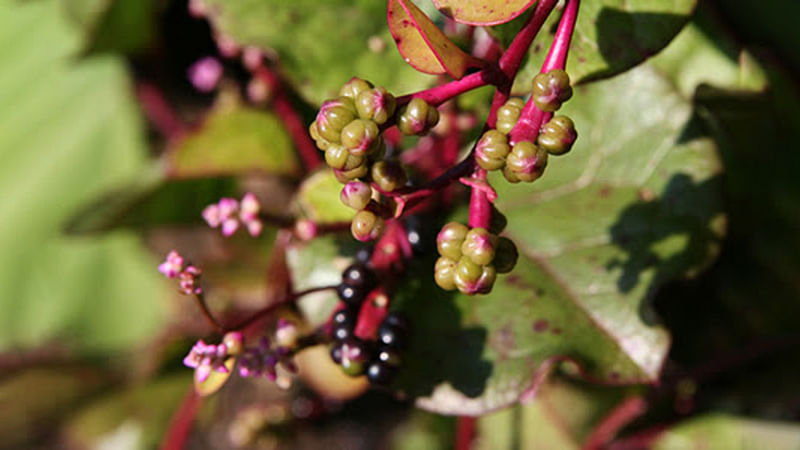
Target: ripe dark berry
343	316
389	357
506	255
351	295
363	254
380	374
396	320
336	352
358	276
342	331
390	336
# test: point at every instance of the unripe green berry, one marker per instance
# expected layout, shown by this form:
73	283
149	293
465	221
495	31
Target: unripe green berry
467	272
508	115
486	281
356	194
366	226
376	105
489	163
321	142
479	245
450	238
551	89
354	87
444	273
491	150
234	342
417	117
506	255
389	175
336	156
333	116
348	175
526	161
557	135
360	136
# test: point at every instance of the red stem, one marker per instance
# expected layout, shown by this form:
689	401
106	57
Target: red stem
465	433
291	118
440	94
158	111
623	414
181	423
275	305
480	209
200	299
531	118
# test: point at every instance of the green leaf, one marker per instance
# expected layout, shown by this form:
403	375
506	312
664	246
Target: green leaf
611	36
634	204
729	432
321	45
318	199
423	45
113	25
68	131
234	140
478	12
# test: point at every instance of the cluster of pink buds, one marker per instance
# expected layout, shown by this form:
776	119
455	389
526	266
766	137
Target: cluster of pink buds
206	358
264	359
173	267
229	214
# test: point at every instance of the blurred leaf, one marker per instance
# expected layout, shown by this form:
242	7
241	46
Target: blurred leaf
134	418
321	45
125	26
423	430
422	44
233	140
68	131
731	433
611	36
318	199
478	12
34	400
636	203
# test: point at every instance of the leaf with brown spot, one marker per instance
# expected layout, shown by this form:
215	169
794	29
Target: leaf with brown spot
481	12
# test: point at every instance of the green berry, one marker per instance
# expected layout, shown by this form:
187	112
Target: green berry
366	226
510	176
444	273
356	194
349	175
508	115
486	281
506	255
491	150
321	142
333	116
479	245
557	135
354	357
450	238
467	271
354	87
417	117
388	175
360	136
336	156
375	104
551	89
526	161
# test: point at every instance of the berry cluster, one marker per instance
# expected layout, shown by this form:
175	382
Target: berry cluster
470	259
349	130
525	160
378	360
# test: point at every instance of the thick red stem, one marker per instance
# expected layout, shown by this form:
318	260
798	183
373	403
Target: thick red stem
291	119
182	420
622	414
465	433
480	209
158	111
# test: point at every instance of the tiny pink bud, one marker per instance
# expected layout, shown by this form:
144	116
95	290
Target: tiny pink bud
254	227
305	229
249	207
197	8
227	46
211	215
172	266
229	227
251	57
227	207
205	74
258	91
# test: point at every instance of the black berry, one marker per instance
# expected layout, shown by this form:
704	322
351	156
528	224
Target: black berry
380	374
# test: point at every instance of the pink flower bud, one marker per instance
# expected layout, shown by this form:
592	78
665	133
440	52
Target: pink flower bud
205	74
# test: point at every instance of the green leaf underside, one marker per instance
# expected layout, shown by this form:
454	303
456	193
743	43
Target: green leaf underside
422	44
235	140
635	203
481	12
729	432
611	36
68	130
321	45
318	199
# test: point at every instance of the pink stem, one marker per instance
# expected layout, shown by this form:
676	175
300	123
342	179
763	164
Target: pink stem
440	94
291	119
200	299
180	425
159	111
531	118
480	209
623	414
465	433
275	305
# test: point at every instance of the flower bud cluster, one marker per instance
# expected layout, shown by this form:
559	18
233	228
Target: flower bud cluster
229	214
188	275
206	358
470	259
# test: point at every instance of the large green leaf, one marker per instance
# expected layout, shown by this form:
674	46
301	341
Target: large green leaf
234	140
636	203
67	131
321	45
611	36
728	432
112	25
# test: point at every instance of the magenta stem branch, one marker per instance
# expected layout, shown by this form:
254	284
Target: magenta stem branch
263	312
531	118
200	299
439	94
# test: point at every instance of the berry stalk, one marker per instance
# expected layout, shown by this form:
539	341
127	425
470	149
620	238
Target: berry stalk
532	118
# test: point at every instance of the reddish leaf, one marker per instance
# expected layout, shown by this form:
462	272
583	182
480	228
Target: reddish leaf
481	12
423	45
